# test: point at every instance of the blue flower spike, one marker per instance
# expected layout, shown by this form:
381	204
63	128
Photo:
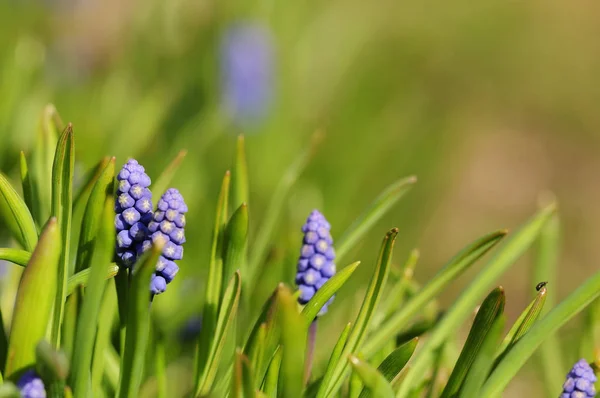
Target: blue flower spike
168	224
31	385
580	381
133	207
316	263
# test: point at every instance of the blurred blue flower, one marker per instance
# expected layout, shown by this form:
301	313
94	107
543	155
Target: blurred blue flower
168	223
247	68
133	207
31	385
580	381
316	263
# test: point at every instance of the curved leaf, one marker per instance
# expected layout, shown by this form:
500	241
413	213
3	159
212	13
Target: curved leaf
16	256
16	215
374	381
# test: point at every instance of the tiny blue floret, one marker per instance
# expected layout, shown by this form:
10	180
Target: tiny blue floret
31	385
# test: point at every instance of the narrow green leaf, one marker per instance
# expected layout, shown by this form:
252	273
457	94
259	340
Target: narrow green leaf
72	307
29	194
273	212
214	281
16	256
138	324
16	215
489	311
336	372
162	183
382	204
242	385
43	159
312	308
240	174
545	327
272	375
210	362
80	203
102	252
234	244
258	353
62	206
483	361
81	278
393	364
464	305
550	359
33	305
293	336
93	215
112	368
106	319
160	364
398	291
373	380
456	266
523	322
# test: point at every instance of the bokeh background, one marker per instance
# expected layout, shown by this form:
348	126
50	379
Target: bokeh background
489	103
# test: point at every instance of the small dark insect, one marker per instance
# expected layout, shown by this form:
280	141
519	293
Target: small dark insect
540	285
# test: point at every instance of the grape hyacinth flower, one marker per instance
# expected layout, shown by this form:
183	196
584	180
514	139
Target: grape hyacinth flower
315	265
134	211
31	385
246	57
168	223
580	381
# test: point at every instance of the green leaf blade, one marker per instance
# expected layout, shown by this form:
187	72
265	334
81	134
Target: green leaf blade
33	305
293	335
373	380
62	206
15	256
16	215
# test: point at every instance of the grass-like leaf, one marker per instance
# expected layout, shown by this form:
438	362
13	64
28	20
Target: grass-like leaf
88	319
523	323
42	161
549	324
162	183
29	194
80	202
466	302
234	244
33	305
312	308
293	336
382	204
483	361
62	206
106	318
15	256
336	371
269	386
209	362
81	278
490	310
16	215
373	380
456	266
138	324
393	364
550	359
93	215
243	379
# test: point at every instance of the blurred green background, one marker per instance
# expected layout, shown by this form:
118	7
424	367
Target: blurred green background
489	104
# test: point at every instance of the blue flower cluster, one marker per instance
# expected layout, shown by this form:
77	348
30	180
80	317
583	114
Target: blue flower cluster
134	211
315	265
31	385
580	381
168	224
138	226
